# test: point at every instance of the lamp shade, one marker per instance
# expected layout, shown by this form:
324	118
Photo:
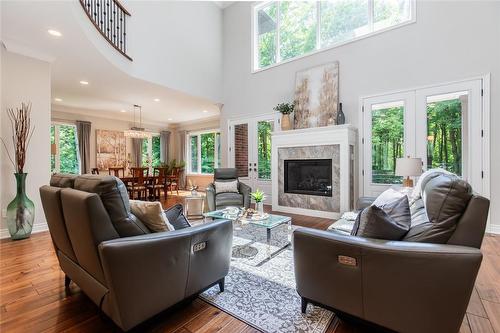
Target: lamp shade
408	166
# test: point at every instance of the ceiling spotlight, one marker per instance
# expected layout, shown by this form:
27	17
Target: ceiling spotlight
123	111
169	119
84	83
156	100
57	99
54	33
205	111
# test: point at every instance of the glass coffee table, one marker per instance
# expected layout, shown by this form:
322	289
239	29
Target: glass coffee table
271	223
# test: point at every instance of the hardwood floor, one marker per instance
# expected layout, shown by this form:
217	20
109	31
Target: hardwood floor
33	297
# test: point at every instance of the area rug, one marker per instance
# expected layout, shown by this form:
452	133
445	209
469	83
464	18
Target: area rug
261	292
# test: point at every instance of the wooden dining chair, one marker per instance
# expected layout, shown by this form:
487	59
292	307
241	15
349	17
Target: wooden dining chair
139	183
94	171
115	171
159	182
173	180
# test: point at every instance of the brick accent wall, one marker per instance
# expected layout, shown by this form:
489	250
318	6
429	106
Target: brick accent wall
241	149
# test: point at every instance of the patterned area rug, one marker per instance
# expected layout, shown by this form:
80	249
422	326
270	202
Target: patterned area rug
261	291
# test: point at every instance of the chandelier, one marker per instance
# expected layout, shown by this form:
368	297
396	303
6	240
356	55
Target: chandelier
137	132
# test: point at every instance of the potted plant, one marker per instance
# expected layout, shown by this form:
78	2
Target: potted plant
285	109
258	196
21	210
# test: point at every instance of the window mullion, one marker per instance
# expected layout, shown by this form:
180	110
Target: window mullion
199	152
216	153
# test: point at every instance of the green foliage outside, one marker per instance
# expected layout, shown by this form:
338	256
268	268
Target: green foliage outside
264	129
207	152
52	141
387	144
340	21
155	141
68	151
145	154
194	153
444	140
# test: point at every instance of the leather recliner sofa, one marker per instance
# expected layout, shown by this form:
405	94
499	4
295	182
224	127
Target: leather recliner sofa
218	201
422	283
129	272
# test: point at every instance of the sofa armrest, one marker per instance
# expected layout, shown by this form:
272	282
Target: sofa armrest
149	273
210	194
245	190
391	283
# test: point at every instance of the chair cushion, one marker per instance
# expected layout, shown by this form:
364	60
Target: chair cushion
436	214
226	186
390	221
63	180
114	197
228	199
175	215
151	214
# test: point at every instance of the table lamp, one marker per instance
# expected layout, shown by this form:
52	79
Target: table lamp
407	167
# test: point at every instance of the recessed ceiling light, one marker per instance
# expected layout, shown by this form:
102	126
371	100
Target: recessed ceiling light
156	100
123	110
57	99
84	82
169	119
205	111
54	33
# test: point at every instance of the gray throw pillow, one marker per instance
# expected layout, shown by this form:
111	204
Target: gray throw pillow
226	186
390	221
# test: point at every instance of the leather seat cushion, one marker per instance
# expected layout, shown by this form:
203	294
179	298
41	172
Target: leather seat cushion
63	180
114	196
229	199
435	216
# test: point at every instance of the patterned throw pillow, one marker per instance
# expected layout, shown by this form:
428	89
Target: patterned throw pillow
151	214
225	187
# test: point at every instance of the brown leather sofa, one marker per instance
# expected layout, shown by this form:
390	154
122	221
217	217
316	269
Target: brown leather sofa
420	284
129	272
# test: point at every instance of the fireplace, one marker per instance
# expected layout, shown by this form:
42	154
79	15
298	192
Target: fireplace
308	176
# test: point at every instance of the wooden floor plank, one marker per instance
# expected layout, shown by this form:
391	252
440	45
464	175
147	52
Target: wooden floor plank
33	297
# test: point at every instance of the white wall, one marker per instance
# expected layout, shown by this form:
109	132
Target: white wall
451	41
183	39
26	80
104	124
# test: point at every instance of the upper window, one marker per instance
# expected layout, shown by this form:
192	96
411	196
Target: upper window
288	29
204	152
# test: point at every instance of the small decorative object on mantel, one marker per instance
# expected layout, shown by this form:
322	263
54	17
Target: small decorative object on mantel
258	196
317	96
408	167
340	116
285	109
21	210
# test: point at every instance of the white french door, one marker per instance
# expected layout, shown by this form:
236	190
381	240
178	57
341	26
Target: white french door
250	151
441	124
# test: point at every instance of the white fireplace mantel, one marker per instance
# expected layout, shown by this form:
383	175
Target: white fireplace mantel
345	136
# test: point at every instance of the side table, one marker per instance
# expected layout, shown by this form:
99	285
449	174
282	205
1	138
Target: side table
194	205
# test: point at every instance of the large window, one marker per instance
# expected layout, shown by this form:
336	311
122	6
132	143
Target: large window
151	151
285	30
64	149
204	152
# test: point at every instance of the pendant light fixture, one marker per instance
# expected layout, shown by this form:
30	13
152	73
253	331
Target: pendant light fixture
137	131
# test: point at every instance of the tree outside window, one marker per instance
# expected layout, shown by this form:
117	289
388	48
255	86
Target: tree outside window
66	159
204	152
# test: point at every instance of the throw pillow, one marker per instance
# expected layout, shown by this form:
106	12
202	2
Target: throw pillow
151	214
225	187
387	196
390	221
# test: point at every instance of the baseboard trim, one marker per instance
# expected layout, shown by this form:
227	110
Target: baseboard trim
4	233
494	229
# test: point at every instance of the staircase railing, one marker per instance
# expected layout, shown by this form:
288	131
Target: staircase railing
110	18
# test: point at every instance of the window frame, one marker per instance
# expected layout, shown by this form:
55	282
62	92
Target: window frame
150	146
187	158
57	156
318	48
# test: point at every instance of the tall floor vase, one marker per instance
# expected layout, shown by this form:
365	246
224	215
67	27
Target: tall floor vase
20	211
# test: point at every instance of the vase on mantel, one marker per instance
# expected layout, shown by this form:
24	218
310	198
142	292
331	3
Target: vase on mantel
286	122
20	211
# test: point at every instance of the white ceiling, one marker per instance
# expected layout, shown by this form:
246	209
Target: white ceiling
75	58
224	4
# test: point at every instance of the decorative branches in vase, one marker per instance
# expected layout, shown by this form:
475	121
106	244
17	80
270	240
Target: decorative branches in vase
21	210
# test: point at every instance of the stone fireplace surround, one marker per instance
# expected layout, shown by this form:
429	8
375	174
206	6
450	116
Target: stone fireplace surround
332	142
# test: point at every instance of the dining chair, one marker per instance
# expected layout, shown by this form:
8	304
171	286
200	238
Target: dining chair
139	182
159	182
173	180
94	171
115	171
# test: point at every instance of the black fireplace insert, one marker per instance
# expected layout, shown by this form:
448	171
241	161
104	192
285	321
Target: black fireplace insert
311	176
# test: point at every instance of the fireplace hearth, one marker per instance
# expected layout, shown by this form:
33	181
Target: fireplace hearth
308	176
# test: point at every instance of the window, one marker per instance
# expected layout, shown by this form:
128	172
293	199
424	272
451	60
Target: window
285	30
64	149
264	129
204	152
151	151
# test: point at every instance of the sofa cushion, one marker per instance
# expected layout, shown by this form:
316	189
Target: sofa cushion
114	197
228	199
63	180
390	221
151	214
175	216
436	214
230	186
